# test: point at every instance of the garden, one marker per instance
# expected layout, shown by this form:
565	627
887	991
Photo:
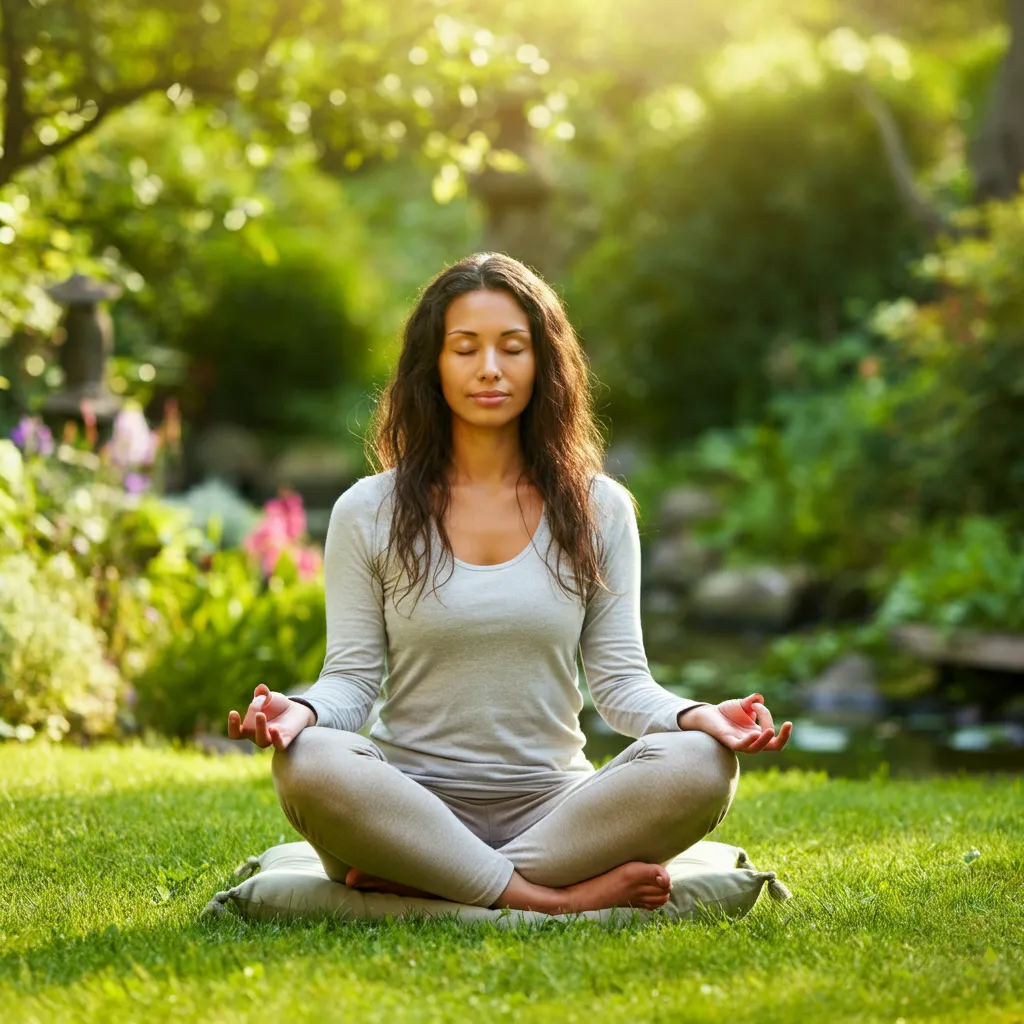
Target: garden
791	239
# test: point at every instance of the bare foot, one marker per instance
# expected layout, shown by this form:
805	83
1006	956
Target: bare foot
633	884
365	882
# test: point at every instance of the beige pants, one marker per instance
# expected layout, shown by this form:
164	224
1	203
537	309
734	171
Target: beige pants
655	799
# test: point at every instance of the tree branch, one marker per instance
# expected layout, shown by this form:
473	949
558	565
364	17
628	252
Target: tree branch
899	162
112	102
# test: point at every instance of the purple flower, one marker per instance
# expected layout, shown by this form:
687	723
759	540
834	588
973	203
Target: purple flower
135	483
32	435
132	442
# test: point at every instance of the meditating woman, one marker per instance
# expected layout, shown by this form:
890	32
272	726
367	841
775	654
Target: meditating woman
473	785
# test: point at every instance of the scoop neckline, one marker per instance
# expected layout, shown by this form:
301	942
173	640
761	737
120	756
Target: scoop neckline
517	558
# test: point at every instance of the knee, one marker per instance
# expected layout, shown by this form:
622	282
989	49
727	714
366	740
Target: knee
704	764
301	768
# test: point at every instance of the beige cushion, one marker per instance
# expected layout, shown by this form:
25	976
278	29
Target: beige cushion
290	882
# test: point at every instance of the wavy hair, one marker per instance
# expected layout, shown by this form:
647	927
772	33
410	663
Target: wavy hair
562	445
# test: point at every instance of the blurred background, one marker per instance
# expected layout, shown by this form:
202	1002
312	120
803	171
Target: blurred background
790	235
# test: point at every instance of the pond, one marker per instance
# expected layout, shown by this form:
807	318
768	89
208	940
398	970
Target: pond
943	731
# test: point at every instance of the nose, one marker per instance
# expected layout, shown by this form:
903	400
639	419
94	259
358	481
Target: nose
490	367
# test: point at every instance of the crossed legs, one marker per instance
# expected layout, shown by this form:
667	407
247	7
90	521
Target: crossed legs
604	840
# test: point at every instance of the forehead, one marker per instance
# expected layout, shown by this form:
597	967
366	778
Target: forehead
483	308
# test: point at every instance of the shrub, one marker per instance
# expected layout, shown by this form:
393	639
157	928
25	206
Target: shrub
54	674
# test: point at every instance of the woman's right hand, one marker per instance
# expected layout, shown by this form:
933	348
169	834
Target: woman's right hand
271	718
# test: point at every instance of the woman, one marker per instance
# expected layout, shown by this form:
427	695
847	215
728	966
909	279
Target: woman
473	785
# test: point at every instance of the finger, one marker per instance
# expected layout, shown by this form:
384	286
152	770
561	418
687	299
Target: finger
234	725
766	738
748	702
758	742
277	739
262	739
746	741
764	717
780	741
262	690
258	703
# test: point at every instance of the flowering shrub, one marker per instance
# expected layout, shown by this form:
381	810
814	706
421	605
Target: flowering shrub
143	622
228	629
280	533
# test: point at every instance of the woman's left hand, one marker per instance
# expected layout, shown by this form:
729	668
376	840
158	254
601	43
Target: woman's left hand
744	726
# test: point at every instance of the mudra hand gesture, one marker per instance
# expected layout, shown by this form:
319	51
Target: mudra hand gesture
744	726
271	718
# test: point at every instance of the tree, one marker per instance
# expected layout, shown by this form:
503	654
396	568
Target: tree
361	76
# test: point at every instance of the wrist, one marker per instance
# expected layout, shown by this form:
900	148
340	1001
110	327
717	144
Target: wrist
692	717
309	711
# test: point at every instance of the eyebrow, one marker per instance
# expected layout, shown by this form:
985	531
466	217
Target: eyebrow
473	334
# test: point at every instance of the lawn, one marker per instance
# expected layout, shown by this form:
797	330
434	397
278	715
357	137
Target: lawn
108	855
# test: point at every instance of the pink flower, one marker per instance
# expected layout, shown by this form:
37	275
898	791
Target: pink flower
135	483
280	531
132	443
308	563
288	510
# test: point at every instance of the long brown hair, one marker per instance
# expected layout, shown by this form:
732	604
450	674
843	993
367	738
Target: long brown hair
562	445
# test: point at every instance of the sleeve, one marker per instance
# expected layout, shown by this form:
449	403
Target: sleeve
625	693
353	671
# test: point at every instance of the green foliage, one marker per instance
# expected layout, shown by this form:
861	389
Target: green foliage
916	420
958	364
54	675
117	613
273	331
753	216
970	575
228	630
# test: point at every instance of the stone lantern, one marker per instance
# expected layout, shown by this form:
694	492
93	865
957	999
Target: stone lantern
517	201
85	339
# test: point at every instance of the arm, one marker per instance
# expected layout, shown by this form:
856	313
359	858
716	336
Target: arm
625	693
353	670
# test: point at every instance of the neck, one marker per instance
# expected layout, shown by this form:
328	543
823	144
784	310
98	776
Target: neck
489	457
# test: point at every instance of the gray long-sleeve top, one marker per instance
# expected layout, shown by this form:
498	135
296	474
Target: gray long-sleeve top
482	692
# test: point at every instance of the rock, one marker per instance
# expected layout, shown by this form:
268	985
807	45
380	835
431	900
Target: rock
681	507
760	596
846	693
232	453
679	562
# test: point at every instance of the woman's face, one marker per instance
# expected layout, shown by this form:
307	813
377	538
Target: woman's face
487	348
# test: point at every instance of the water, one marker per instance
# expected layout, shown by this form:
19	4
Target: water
934	733
848	752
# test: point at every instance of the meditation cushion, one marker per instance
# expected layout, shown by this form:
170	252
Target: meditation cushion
290	882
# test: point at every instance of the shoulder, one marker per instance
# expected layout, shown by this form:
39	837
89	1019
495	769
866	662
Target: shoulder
360	502
610	499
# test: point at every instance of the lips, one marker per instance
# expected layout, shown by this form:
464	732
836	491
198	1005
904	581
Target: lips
490	394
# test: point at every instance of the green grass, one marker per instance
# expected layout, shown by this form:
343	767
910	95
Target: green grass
108	855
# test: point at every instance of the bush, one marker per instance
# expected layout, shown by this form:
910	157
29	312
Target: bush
769	213
228	630
54	674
